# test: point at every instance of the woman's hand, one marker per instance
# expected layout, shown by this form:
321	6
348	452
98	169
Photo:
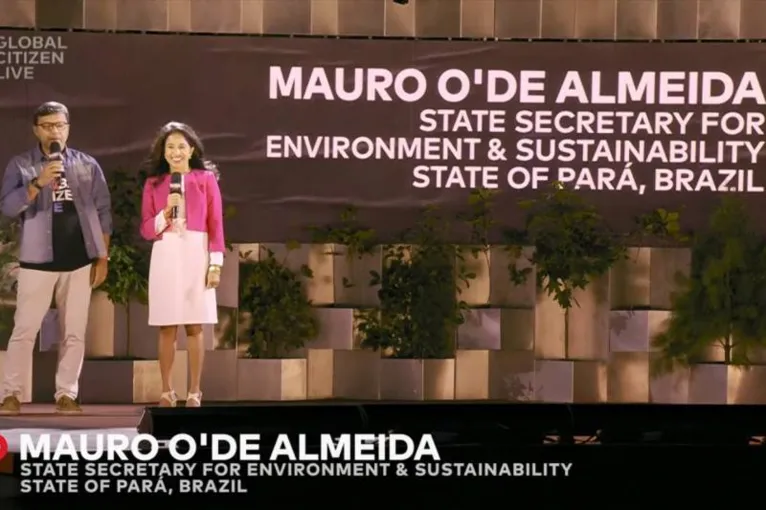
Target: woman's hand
174	200
213	276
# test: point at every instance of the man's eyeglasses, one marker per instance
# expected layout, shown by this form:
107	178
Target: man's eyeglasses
50	126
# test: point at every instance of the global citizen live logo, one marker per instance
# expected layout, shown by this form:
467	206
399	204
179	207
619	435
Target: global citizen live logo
21	55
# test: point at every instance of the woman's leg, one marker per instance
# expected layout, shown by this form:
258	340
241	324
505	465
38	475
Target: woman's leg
167	354
196	348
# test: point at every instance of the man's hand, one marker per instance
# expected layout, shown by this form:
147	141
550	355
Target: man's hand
98	272
50	171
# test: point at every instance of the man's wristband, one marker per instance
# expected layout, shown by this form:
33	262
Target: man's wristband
36	184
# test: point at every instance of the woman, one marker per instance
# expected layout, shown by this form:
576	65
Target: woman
185	267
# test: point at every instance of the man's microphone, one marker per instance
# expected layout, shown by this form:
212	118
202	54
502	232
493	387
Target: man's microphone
54	154
175	188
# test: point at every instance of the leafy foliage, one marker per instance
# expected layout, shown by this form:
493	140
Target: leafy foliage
356	239
572	244
419	310
660	224
479	221
129	254
9	263
9	255
278	317
723	301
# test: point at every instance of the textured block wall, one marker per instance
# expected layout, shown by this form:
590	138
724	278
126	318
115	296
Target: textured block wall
514	345
532	19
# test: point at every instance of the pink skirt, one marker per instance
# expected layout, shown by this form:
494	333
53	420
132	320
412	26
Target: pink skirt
177	291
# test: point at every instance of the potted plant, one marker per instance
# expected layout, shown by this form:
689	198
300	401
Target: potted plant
9	265
276	321
476	254
489	363
638	292
415	325
718	318
110	351
355	253
572	247
126	285
114	311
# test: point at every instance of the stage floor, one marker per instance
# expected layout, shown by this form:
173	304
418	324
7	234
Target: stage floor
41	418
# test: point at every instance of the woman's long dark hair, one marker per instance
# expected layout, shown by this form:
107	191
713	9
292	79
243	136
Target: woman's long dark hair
155	164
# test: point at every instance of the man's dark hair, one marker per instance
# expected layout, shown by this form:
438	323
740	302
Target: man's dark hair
50	108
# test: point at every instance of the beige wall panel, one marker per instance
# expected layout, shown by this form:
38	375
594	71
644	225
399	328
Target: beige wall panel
216	16
596	19
59	13
753	19
719	19
324	17
558	19
478	18
361	17
477	291
636	19
416	379
18	13
180	16
747	386
271	379
286	16
588	332
628	377
518	19
677	19
570	381
150	15
672	388
399	19
666	265
635	330
511	376
629	282
437	18
550	329
100	14
252	16
502	291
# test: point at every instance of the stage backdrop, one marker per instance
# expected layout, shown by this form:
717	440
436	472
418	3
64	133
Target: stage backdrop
303	127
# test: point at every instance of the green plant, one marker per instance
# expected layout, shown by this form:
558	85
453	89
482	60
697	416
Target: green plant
659	224
356	239
419	310
278	317
723	300
9	255
479	220
573	245
9	263
128	276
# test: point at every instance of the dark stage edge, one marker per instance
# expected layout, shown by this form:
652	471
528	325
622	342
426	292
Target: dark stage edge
534	419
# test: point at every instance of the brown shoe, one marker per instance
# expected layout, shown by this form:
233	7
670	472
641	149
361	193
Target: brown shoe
10	405
67	405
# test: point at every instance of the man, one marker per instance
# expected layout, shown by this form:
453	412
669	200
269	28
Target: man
63	203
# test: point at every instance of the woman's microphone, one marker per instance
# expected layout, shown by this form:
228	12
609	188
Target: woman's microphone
175	188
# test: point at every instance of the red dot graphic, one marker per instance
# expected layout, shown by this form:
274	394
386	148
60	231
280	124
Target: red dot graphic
3	447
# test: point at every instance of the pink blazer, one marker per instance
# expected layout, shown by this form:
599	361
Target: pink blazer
204	210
